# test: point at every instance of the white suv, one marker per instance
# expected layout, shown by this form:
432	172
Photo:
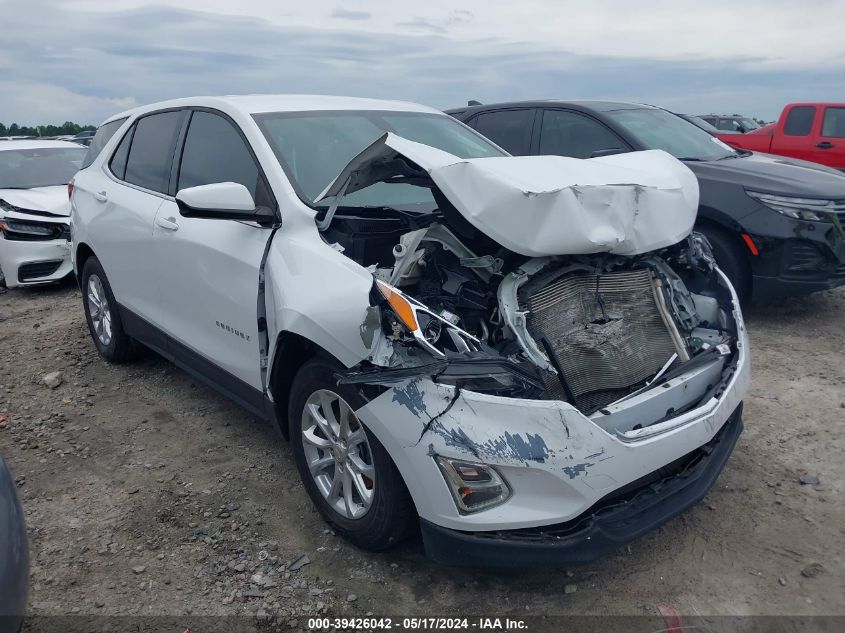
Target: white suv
533	359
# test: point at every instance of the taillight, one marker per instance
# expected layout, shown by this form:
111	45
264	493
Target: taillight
70	189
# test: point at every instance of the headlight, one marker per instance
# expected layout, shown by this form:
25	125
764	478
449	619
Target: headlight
428	329
29	230
474	486
812	209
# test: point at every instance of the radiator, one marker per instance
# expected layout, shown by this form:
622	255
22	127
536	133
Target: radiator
606	333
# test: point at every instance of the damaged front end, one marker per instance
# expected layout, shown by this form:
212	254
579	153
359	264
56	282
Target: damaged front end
34	244
596	331
534	381
618	304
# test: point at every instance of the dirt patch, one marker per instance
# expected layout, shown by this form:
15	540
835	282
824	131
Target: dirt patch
147	493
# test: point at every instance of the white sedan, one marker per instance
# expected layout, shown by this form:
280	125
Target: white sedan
34	210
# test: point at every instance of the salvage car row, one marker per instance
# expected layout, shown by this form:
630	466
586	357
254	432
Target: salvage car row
528	356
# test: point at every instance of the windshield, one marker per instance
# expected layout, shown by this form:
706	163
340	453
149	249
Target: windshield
749	124
314	147
659	129
41	167
704	125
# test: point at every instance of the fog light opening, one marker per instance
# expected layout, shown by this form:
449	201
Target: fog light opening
474	486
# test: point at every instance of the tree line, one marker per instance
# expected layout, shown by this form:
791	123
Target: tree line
68	127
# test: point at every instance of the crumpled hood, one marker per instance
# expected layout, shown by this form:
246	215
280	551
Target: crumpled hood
52	200
547	205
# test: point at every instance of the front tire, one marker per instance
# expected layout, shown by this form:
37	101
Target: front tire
101	313
346	471
730	257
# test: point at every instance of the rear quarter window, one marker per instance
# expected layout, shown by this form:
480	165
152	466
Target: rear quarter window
834	123
102	136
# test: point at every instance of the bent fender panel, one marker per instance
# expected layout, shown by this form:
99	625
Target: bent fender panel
316	292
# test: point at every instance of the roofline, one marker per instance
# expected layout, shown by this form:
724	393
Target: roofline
237	102
536	103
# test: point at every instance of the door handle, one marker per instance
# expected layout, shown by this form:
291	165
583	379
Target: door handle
168	224
825	145
101	196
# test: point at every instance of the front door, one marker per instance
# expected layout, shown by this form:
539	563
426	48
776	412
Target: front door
208	269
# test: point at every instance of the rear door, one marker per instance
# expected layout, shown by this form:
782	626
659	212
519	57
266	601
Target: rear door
208	269
829	145
138	177
794	135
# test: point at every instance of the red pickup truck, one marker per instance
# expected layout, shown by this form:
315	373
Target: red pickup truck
809	131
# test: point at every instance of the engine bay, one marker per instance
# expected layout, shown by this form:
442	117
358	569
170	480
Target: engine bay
597	331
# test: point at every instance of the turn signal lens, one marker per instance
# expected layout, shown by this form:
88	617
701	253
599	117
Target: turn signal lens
474	486
400	305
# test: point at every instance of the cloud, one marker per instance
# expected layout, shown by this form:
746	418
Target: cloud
95	63
421	24
347	14
32	103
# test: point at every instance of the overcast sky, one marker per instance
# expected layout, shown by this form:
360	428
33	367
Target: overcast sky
84	60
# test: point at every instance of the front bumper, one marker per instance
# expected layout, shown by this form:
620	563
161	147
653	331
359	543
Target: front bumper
795	256
26	263
795	267
618	518
557	463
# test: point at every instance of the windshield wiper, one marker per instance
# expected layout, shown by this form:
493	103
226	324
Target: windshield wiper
697	160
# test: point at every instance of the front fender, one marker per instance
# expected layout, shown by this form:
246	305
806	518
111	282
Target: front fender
317	293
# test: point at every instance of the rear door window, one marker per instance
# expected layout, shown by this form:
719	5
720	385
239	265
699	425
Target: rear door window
151	154
509	129
102	136
799	121
834	123
567	133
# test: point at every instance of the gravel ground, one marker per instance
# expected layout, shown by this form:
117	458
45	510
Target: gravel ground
147	493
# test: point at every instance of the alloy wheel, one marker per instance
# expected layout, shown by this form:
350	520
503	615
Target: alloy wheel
99	310
338	454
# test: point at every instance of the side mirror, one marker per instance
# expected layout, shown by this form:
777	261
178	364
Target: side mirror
222	201
607	152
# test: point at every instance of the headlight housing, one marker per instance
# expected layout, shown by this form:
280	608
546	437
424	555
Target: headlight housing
427	328
474	486
31	230
811	209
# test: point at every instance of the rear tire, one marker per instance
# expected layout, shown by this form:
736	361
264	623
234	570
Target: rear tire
346	471
102	315
731	258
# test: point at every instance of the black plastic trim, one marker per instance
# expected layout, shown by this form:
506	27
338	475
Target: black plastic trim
37	270
617	519
240	392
